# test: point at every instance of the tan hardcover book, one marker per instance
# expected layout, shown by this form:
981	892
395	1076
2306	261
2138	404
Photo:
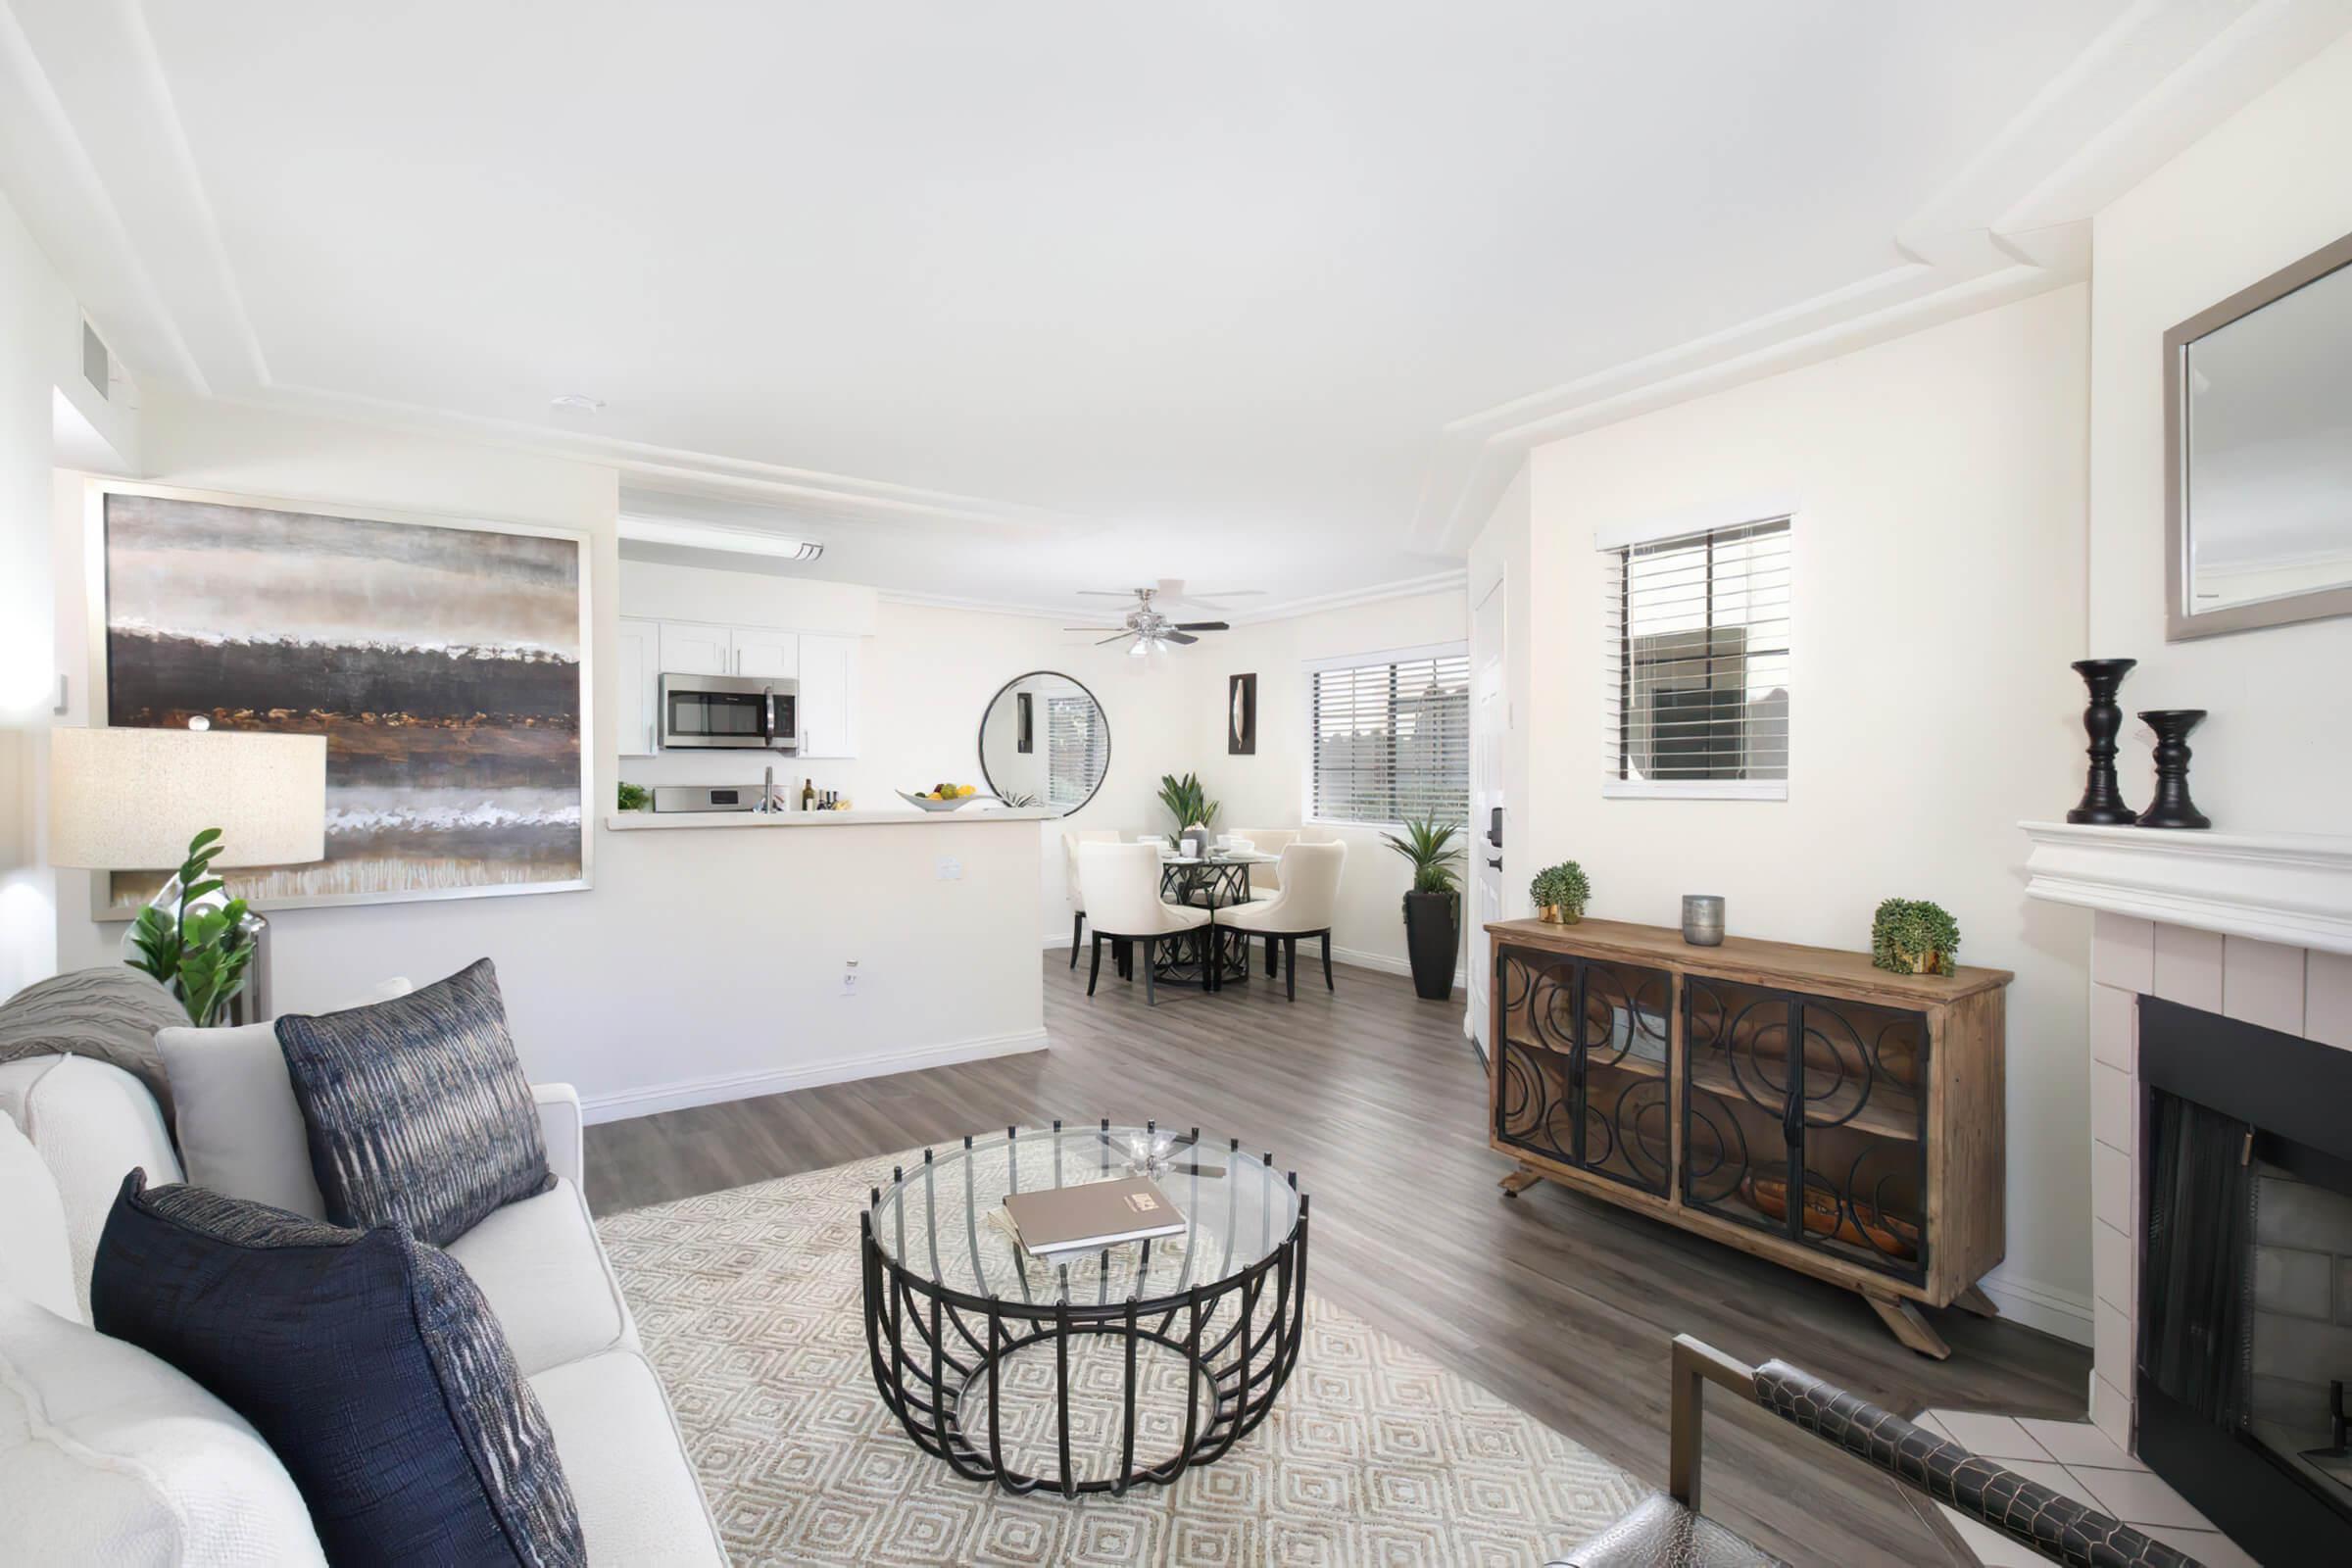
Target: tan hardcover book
1068	1219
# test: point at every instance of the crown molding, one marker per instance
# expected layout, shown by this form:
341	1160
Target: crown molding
1455	579
2014	221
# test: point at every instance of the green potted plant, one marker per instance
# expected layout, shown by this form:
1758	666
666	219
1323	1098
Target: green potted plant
1433	906
1913	936
199	948
1560	893
1186	802
634	796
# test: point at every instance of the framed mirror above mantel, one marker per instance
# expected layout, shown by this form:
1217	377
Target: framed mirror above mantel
2258	454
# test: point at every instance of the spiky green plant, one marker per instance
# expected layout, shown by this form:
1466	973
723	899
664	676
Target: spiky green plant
202	954
1429	844
1187	802
633	797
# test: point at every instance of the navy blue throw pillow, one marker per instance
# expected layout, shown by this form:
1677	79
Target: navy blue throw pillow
366	1360
416	1109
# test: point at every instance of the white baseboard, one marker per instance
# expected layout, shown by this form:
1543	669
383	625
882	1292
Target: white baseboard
2054	1311
1385	964
627	1102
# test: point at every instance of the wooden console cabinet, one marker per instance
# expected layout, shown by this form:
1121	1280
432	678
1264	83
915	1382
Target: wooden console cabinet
1704	1086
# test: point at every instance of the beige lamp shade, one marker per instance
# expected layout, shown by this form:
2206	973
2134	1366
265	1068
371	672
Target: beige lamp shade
130	800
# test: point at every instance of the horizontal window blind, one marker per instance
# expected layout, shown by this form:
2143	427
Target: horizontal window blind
1392	741
1077	749
1697	659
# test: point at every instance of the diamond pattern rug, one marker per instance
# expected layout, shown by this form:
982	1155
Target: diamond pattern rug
748	1304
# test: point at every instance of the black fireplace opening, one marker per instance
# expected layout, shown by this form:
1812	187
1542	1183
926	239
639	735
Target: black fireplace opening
2245	1295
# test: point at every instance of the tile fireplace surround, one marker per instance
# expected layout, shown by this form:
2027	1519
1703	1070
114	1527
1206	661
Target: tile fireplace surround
2256	928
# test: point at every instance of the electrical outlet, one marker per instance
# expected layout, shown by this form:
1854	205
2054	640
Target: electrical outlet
951	869
849	977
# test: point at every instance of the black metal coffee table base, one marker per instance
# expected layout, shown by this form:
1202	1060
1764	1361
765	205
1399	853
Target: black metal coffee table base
934	1349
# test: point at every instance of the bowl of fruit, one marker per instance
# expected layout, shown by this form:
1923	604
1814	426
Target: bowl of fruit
946	797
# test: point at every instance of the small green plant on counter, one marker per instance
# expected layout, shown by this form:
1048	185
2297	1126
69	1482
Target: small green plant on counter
1018	799
1912	936
200	954
1429	844
1560	892
634	796
1187	802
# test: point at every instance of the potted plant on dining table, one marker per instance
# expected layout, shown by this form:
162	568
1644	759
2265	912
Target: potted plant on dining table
1433	904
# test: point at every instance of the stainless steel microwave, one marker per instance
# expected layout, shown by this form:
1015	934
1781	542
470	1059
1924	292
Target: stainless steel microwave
729	713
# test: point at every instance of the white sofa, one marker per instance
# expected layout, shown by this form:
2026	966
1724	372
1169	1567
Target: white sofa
104	1460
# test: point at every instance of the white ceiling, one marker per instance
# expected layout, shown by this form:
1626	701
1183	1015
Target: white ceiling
1002	300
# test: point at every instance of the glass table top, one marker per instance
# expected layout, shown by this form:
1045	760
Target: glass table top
943	1218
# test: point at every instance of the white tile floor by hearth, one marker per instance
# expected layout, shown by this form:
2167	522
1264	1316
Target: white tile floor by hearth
2077	1460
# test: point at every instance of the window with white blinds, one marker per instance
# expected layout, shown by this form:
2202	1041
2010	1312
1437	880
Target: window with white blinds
1391	738
1697	663
1077	749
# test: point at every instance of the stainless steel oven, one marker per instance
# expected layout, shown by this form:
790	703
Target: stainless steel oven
729	713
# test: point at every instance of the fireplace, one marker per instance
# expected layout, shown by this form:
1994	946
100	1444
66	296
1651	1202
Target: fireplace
2246	1283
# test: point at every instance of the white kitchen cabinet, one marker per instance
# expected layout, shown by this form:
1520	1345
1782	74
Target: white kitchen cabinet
637	665
689	649
762	651
828	713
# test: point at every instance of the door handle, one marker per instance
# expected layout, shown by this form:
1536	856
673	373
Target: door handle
1494	830
1495	864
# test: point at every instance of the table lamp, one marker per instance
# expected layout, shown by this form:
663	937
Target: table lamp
130	800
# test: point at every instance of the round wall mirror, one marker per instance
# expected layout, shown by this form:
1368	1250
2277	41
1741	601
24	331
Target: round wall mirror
1045	741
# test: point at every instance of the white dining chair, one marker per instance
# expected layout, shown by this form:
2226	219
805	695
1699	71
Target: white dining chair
1305	905
1069	865
1120	884
1266	880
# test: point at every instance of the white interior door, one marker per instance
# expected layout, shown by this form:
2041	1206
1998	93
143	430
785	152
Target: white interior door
1489	722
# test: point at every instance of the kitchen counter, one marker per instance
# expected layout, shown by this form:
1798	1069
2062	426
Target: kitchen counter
643	822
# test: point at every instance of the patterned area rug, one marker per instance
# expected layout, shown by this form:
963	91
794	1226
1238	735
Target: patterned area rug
748	1304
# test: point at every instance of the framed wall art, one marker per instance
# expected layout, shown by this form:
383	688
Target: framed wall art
444	660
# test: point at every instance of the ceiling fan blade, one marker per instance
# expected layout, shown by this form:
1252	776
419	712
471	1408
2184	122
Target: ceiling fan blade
1107	593
1209	601
1108	641
1203	626
1178	637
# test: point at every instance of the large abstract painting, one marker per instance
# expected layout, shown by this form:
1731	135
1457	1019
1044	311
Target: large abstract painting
443	663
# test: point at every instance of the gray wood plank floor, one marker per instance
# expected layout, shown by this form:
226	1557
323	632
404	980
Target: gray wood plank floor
1558	1303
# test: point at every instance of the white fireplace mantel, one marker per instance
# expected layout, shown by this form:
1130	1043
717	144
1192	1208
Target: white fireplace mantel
2291	888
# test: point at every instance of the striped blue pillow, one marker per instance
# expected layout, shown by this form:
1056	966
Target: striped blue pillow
416	1109
366	1360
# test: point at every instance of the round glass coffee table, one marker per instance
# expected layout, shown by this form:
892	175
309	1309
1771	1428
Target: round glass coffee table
1102	1369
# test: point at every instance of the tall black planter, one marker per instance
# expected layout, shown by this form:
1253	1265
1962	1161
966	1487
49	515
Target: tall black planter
1432	937
2172	807
2102	800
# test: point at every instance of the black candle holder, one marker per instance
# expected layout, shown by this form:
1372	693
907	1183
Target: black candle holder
2172	807
2102	800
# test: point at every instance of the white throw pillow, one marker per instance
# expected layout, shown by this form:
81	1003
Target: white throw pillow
35	1260
240	1130
109	1455
93	1124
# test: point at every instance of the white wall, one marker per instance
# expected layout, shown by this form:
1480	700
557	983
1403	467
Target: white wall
40	353
2269	185
699	965
1938	596
1269	789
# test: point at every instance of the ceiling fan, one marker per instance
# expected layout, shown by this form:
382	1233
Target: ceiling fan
1149	624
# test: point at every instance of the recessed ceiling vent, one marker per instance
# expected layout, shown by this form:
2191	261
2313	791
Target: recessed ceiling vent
97	365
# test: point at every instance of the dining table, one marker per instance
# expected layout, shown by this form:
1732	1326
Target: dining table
1212	881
